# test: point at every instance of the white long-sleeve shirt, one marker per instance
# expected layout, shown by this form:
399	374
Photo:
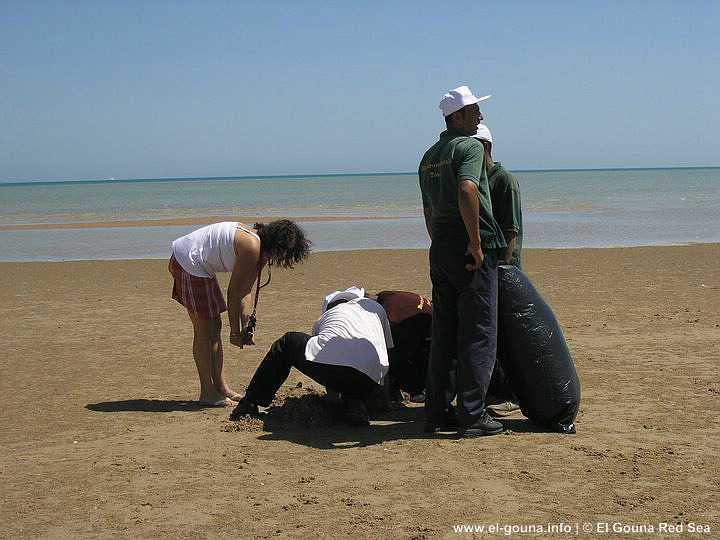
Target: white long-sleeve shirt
354	334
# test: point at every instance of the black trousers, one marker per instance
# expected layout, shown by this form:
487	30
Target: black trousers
499	390
288	352
464	329
409	359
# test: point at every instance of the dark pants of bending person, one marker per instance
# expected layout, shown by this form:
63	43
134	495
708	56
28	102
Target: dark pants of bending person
464	328
408	365
289	351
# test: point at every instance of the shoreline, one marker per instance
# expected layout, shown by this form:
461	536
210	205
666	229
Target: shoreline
411	251
169	222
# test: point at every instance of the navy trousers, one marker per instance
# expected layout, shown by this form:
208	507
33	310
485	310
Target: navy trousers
464	327
288	352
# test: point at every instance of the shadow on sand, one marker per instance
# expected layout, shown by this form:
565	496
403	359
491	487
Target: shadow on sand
312	420
146	405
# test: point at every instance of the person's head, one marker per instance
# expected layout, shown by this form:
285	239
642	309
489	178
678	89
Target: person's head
461	110
465	120
338	297
282	242
485	137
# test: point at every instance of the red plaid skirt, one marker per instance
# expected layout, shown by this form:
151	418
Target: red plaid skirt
201	296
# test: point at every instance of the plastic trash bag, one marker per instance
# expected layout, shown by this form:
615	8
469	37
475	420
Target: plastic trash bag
534	355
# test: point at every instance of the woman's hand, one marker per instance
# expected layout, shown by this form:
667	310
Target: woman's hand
237	339
239	295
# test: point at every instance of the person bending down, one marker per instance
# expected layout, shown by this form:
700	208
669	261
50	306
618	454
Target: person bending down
410	316
347	353
243	251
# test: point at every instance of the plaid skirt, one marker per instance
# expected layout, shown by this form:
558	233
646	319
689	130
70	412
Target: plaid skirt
201	296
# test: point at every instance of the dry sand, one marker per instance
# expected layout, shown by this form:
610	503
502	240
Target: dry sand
101	438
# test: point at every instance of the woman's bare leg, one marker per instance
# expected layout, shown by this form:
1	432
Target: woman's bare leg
204	346
218	364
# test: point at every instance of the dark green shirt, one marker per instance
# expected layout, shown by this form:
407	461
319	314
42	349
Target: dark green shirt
507	211
453	158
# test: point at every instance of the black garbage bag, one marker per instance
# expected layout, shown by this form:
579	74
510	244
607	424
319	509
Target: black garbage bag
534	355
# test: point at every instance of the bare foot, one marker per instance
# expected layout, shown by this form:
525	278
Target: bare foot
216	400
230	394
225	402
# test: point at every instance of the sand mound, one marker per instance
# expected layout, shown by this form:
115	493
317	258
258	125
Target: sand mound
293	408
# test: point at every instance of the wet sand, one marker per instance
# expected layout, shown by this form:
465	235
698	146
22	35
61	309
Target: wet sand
199	221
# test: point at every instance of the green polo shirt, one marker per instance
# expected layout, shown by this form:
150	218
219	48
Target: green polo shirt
453	158
505	195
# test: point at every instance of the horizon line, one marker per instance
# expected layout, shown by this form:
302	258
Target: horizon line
322	175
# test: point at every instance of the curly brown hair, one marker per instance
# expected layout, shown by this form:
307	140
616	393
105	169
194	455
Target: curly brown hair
283	242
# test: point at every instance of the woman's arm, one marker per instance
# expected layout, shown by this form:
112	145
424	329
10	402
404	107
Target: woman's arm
239	293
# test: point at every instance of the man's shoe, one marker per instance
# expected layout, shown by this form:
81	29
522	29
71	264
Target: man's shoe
244	408
333	396
448	422
418	398
356	413
505	408
484	425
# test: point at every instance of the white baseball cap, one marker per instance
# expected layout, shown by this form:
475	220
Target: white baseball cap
483	133
458	98
351	293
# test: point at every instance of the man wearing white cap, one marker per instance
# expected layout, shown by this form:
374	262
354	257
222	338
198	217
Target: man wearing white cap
347	353
463	268
507	210
505	196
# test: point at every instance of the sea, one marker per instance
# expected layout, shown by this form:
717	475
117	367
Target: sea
561	209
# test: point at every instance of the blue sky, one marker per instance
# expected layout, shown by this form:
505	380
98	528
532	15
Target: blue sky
151	89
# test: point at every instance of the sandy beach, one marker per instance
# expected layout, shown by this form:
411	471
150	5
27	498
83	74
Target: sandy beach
101	437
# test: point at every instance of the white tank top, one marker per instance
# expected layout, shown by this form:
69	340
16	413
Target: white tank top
208	250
